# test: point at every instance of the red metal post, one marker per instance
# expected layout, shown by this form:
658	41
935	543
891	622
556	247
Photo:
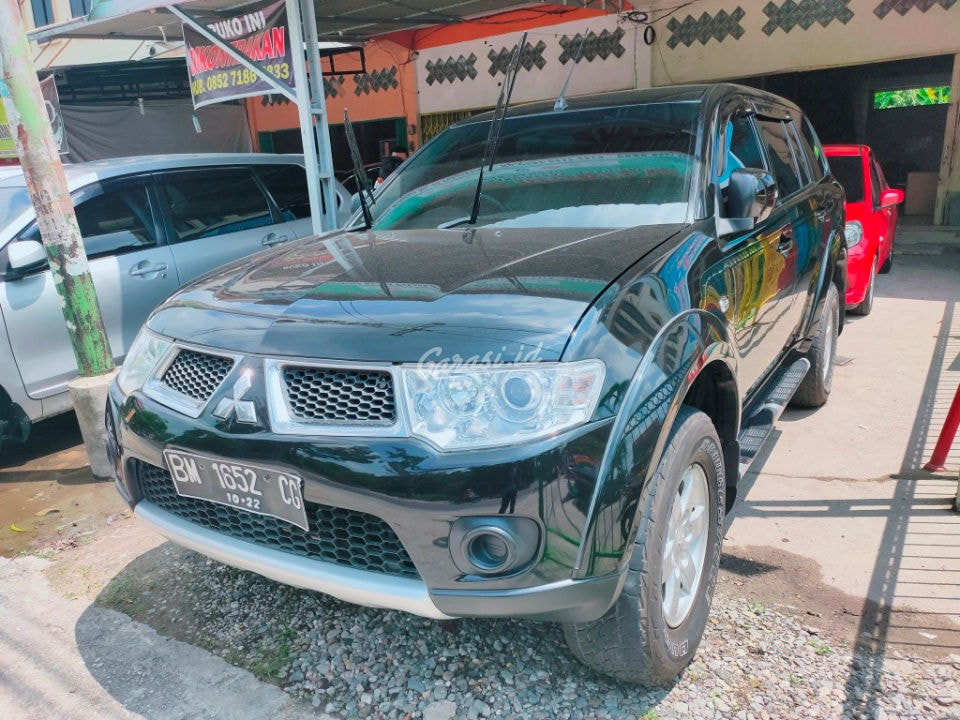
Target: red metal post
945	441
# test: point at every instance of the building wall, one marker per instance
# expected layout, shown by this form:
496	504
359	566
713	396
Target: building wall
413	73
386	90
65	52
468	73
723	39
728	39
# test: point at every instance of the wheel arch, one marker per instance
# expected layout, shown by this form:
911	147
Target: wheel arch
688	353
715	393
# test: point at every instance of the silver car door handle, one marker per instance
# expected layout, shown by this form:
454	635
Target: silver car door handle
148	269
274	239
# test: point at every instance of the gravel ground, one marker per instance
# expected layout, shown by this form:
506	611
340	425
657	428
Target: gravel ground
755	662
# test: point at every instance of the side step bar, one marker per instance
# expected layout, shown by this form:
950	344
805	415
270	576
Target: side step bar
758	425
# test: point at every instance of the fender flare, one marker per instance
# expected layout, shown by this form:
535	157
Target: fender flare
646	413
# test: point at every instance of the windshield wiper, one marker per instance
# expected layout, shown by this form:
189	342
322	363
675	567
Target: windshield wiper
496	125
363	182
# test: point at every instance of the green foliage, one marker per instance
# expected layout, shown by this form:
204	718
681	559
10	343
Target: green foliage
911	97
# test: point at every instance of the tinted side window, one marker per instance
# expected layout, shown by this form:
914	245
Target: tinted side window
876	182
743	148
214	203
812	143
288	186
778	150
113	223
117	221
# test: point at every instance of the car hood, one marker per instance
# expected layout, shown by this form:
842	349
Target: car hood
493	294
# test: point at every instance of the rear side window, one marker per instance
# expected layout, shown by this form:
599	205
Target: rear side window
207	204
288	186
781	157
848	170
811	147
117	221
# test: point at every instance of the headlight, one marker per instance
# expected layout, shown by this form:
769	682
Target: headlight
853	232
481	407
147	350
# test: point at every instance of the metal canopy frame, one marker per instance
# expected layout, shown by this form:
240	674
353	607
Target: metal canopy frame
341	20
307	95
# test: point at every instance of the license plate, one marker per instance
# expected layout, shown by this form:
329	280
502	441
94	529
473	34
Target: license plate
260	490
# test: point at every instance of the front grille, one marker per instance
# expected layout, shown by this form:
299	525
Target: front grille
340	397
196	375
345	537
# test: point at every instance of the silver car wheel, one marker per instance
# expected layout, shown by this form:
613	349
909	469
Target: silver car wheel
685	548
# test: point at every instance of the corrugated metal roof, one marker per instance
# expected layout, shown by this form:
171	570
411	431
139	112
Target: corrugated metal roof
352	20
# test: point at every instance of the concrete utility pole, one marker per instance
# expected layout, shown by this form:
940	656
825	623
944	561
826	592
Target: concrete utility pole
47	185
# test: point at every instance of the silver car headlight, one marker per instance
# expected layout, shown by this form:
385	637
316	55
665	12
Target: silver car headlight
853	232
142	359
491	406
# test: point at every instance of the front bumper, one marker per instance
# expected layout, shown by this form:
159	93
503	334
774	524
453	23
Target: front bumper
860	259
418	493
346	583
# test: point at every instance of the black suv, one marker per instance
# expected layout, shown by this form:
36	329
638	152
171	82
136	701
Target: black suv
528	397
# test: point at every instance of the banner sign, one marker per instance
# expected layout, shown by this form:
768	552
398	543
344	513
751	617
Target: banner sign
260	35
8	147
51	100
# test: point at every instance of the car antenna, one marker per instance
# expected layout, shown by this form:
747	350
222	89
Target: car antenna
561	102
496	125
363	182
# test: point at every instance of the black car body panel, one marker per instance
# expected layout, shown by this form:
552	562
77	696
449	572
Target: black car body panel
677	312
394	296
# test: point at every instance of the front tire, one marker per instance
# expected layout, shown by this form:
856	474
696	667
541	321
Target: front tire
654	628
815	388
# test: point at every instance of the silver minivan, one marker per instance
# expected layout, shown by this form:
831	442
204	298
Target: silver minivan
149	224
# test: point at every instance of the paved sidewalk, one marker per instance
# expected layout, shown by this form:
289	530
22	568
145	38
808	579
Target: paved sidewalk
68	659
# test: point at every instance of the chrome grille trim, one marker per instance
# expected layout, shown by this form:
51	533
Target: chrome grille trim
287	419
175	392
196	375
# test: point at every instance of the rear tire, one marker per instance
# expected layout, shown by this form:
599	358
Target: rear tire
815	388
865	307
645	638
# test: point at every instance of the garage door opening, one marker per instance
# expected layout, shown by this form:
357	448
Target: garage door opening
898	108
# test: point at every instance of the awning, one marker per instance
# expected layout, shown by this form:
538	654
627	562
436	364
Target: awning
348	20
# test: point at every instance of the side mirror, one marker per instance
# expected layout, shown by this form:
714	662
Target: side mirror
752	194
26	255
891	197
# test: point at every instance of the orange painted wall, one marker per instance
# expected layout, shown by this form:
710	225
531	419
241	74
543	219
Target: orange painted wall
381	56
397	50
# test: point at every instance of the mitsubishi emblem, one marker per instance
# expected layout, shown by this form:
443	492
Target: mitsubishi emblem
245	409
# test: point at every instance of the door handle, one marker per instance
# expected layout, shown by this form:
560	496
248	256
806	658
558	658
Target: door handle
274	239
141	269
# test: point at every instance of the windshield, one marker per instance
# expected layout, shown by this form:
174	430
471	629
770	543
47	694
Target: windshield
848	170
601	168
14	201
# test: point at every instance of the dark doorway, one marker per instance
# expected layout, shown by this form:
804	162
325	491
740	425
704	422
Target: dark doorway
841	103
369	136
